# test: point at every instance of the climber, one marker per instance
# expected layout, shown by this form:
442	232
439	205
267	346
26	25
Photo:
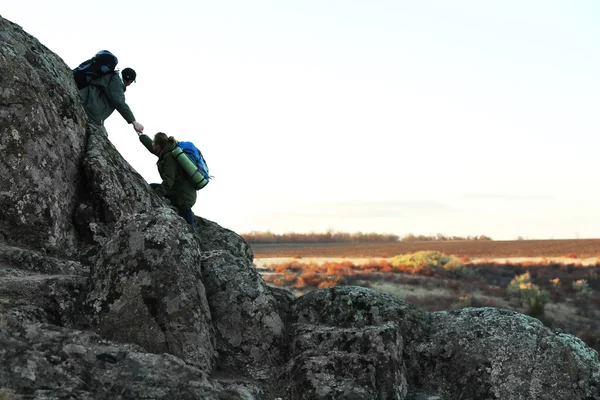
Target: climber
175	186
106	93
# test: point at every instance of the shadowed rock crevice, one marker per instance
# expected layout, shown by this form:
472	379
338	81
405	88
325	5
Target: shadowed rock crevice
106	293
153	305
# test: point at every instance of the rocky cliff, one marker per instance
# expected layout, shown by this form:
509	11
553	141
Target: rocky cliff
105	293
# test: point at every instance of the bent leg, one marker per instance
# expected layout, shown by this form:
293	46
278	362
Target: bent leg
187	214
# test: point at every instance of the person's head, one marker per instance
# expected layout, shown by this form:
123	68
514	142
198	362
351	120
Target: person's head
128	75
159	142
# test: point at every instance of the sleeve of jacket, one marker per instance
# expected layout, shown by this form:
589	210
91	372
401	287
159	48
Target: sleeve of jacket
147	142
168	175
115	92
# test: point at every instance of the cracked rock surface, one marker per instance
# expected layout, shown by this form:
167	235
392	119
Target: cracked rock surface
493	353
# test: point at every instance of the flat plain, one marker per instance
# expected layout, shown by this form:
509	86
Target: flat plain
570	248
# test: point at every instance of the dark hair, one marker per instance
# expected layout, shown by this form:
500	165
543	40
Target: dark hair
161	139
128	74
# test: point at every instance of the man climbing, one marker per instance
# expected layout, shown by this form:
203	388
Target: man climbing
175	186
105	94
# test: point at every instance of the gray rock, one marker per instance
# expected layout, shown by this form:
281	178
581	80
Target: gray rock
348	342
38	261
36	288
36	298
346	363
354	306
146	288
250	330
42	137
488	353
284	299
214	237
114	189
46	362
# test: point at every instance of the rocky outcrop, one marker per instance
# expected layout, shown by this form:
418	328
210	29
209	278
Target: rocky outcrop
349	343
47	362
106	293
113	189
37	288
42	136
146	288
248	321
488	353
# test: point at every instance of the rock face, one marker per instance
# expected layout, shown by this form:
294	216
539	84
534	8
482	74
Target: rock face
112	189
42	137
488	353
349	342
105	293
146	288
249	326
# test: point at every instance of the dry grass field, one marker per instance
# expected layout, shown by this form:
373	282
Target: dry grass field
573	248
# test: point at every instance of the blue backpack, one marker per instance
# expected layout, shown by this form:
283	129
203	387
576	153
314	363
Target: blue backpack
196	157
101	64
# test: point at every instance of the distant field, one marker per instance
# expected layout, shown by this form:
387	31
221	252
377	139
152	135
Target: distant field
574	248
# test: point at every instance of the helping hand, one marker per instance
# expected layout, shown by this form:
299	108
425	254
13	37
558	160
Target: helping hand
139	128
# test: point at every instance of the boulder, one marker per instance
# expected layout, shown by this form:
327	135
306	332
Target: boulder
43	361
246	316
113	189
42	139
489	353
349	342
145	287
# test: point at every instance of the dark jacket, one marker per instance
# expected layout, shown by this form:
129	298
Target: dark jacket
176	186
103	96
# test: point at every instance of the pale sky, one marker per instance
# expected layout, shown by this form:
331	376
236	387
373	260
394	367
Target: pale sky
456	117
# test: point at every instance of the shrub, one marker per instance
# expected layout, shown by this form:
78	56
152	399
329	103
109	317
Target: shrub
457	269
431	263
432	260
582	289
583	296
522	291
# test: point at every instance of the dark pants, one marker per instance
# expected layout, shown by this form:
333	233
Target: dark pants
186	214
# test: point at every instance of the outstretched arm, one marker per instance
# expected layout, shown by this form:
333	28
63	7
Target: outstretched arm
115	93
147	142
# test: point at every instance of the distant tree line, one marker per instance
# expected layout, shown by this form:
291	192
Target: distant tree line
440	238
345	237
327	237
